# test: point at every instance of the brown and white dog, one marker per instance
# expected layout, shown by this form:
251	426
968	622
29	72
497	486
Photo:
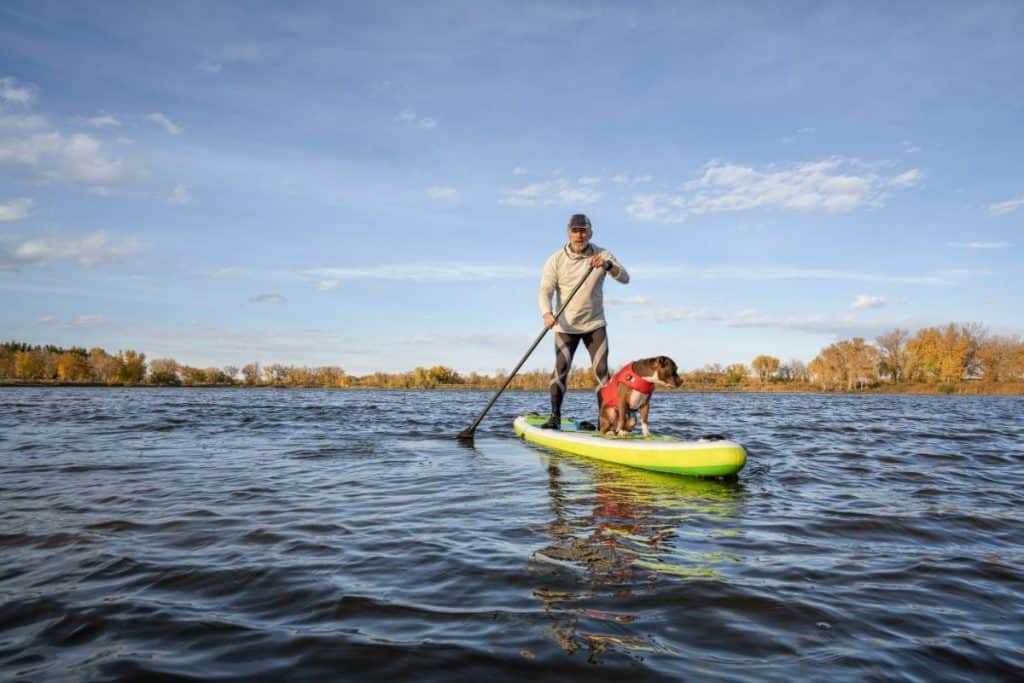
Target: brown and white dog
630	391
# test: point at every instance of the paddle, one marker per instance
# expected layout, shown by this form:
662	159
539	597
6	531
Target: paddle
467	433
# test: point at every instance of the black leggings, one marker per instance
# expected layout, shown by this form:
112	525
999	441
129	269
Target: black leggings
565	348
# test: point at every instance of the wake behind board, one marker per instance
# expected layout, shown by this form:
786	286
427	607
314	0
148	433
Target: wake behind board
702	458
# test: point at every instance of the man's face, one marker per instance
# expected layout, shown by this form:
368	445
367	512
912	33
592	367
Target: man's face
579	238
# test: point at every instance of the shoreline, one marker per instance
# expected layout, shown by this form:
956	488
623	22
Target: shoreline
962	389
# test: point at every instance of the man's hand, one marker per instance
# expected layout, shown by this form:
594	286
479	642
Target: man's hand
549	320
596	262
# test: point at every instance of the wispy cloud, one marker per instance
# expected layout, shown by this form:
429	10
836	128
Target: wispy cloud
436	272
980	245
78	322
161	120
440	192
837	325
832	185
271	298
22	123
103	121
627	301
16	210
907	178
799	133
768	273
14	93
866	301
229	273
327	285
1010	205
409	117
94	250
180	195
558	192
626	179
518	170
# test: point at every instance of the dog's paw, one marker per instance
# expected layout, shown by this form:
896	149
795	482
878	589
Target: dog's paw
647	432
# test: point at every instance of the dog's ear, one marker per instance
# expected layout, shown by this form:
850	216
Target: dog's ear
662	361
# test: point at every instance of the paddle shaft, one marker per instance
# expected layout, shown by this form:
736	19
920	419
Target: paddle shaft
468	432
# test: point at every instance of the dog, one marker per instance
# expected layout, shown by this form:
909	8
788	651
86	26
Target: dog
629	391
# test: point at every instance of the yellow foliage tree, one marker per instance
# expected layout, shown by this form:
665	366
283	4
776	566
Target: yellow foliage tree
765	367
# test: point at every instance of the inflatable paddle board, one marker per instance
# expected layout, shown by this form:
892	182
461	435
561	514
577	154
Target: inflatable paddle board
702	458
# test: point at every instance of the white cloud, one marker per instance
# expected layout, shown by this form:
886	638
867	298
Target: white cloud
91	251
437	272
1010	205
980	245
440	192
15	210
180	195
268	299
866	301
103	121
588	180
161	120
518	170
57	157
409	117
327	285
14	93
832	185
556	192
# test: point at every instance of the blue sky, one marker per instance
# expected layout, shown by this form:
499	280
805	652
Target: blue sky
376	185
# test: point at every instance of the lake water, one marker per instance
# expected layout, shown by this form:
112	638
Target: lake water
345	535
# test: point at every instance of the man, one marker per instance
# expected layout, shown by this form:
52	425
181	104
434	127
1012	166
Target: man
583	318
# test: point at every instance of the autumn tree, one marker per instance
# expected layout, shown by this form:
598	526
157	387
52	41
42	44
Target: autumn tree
131	367
72	367
164	371
893	354
6	363
944	354
736	373
848	364
30	365
102	365
1001	359
251	373
765	367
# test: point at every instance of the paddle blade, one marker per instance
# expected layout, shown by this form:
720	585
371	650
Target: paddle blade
467	435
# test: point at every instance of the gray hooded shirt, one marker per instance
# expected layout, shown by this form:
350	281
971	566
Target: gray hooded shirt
563	271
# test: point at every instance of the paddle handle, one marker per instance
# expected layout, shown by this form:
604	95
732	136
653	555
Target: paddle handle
468	432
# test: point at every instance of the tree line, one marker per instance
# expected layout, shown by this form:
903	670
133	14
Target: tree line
940	356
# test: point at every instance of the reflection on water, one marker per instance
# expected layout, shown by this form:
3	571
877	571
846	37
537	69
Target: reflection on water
618	531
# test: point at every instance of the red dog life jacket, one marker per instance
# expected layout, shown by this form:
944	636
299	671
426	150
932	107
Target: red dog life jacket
609	393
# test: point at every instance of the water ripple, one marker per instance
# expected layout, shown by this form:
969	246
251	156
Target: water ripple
270	534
